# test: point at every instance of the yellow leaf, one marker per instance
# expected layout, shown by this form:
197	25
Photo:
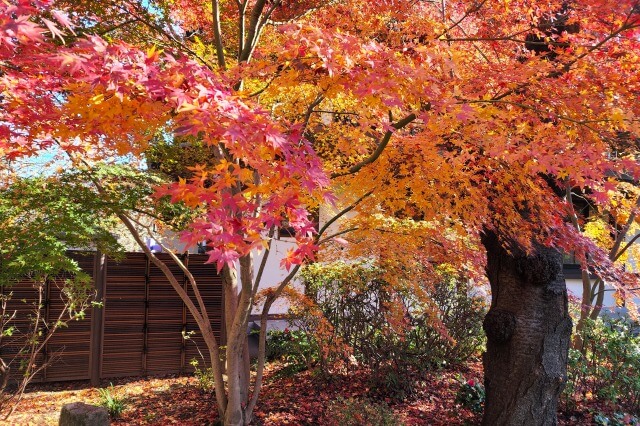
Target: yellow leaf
97	99
186	107
617	115
152	53
619	299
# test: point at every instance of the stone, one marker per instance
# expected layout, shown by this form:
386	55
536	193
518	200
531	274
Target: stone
81	414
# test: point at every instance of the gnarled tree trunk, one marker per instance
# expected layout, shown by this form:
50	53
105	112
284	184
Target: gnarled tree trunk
528	334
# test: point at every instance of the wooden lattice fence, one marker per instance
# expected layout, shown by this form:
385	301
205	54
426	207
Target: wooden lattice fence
137	331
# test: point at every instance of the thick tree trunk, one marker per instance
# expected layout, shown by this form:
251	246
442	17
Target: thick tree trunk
528	334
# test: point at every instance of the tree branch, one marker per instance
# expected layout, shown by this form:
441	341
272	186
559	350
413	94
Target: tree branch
263	262
217	31
337	234
380	148
252	33
340	214
475	8
626	246
312	105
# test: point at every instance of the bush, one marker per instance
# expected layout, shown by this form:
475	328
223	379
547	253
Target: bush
353	412
608	366
391	331
471	394
461	315
297	348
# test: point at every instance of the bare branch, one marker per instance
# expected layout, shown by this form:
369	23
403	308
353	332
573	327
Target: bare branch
252	32
337	234
613	253
626	246
341	213
242	27
307	115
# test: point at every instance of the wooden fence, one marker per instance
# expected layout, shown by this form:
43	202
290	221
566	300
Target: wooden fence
137	331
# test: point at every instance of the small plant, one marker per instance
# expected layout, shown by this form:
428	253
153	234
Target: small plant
278	344
471	394
115	405
393	381
206	381
354	412
204	376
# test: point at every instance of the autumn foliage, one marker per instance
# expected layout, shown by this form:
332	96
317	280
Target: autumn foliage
438	81
423	126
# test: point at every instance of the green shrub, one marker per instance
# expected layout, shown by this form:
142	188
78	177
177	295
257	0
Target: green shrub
278	344
354	412
392	381
471	394
297	348
115	405
461	315
362	310
608	366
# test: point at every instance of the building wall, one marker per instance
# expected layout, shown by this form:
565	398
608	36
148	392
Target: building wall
574	287
274	274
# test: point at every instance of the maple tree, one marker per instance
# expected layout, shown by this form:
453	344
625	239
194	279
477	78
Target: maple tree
455	131
103	100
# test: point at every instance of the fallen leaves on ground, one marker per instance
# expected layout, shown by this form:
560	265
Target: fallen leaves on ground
300	399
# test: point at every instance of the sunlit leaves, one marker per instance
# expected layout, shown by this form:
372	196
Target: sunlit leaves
499	130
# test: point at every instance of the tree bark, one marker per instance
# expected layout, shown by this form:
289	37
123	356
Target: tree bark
238	306
528	331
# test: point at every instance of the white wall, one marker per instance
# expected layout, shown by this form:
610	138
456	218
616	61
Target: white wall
574	286
273	274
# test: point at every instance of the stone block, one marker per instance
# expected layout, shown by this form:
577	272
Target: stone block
81	414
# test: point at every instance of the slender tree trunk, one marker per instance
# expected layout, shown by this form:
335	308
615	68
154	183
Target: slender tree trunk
247	278
528	333
238	307
585	310
233	415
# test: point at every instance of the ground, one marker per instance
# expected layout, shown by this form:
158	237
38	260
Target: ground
294	400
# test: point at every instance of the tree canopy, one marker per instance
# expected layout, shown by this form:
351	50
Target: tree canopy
450	116
437	123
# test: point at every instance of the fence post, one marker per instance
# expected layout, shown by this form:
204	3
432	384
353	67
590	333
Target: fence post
47	306
183	346
145	325
97	318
